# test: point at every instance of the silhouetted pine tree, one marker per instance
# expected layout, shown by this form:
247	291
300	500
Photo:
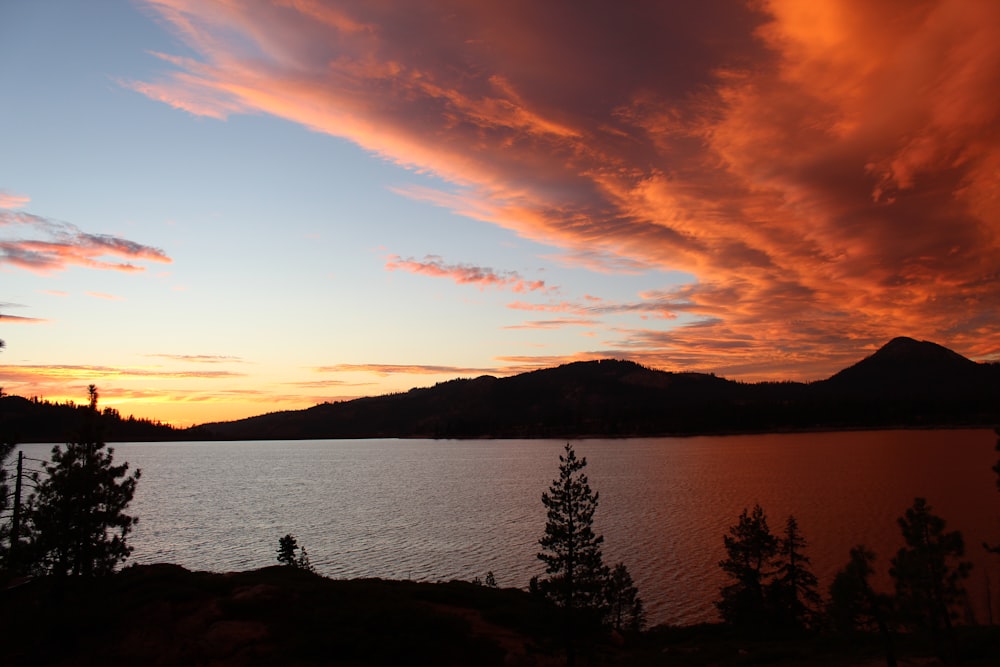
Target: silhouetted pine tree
928	575
855	606
996	468
792	595
625	608
750	547
570	549
287	548
78	520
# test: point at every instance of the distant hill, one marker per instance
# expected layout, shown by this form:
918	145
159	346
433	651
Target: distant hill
905	383
907	366
34	420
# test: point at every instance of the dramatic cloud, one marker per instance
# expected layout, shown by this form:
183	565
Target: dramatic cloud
462	274
828	171
57	245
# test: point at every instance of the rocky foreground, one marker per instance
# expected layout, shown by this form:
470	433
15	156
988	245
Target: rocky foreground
166	615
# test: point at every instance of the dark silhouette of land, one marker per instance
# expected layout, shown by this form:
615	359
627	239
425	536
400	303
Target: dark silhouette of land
37	420
166	615
907	383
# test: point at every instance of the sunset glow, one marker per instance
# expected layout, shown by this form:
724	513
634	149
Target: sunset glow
218	209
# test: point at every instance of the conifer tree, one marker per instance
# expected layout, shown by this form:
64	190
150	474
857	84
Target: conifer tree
995	548
750	547
855	606
287	548
78	517
996	466
792	595
852	598
571	550
927	572
625	608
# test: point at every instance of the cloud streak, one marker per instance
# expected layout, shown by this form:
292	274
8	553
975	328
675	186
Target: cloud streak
828	171
57	245
68	372
465	274
199	358
18	319
9	200
405	369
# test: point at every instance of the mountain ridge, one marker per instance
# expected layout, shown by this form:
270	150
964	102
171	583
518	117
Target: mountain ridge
905	383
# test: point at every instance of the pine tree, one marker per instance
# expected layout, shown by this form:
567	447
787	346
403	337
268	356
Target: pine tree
927	572
750	547
854	605
570	549
995	548
287	548
625	608
850	607
792	595
78	518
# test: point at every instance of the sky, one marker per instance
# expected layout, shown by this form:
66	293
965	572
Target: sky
216	209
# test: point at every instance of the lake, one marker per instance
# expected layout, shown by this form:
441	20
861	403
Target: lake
434	510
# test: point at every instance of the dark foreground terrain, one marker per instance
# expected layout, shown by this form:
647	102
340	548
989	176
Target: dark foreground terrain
166	615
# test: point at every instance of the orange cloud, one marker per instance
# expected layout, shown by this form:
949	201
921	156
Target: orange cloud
827	171
36	373
405	369
199	358
10	200
105	296
555	324
66	245
463	274
17	319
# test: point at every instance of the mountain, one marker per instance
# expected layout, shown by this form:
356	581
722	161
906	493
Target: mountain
904	365
34	420
607	397
906	383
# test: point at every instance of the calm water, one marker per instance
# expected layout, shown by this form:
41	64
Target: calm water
445	509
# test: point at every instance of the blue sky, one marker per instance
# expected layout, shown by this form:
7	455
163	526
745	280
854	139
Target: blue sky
215	211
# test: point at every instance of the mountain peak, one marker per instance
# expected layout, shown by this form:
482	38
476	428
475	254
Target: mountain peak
905	363
903	349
